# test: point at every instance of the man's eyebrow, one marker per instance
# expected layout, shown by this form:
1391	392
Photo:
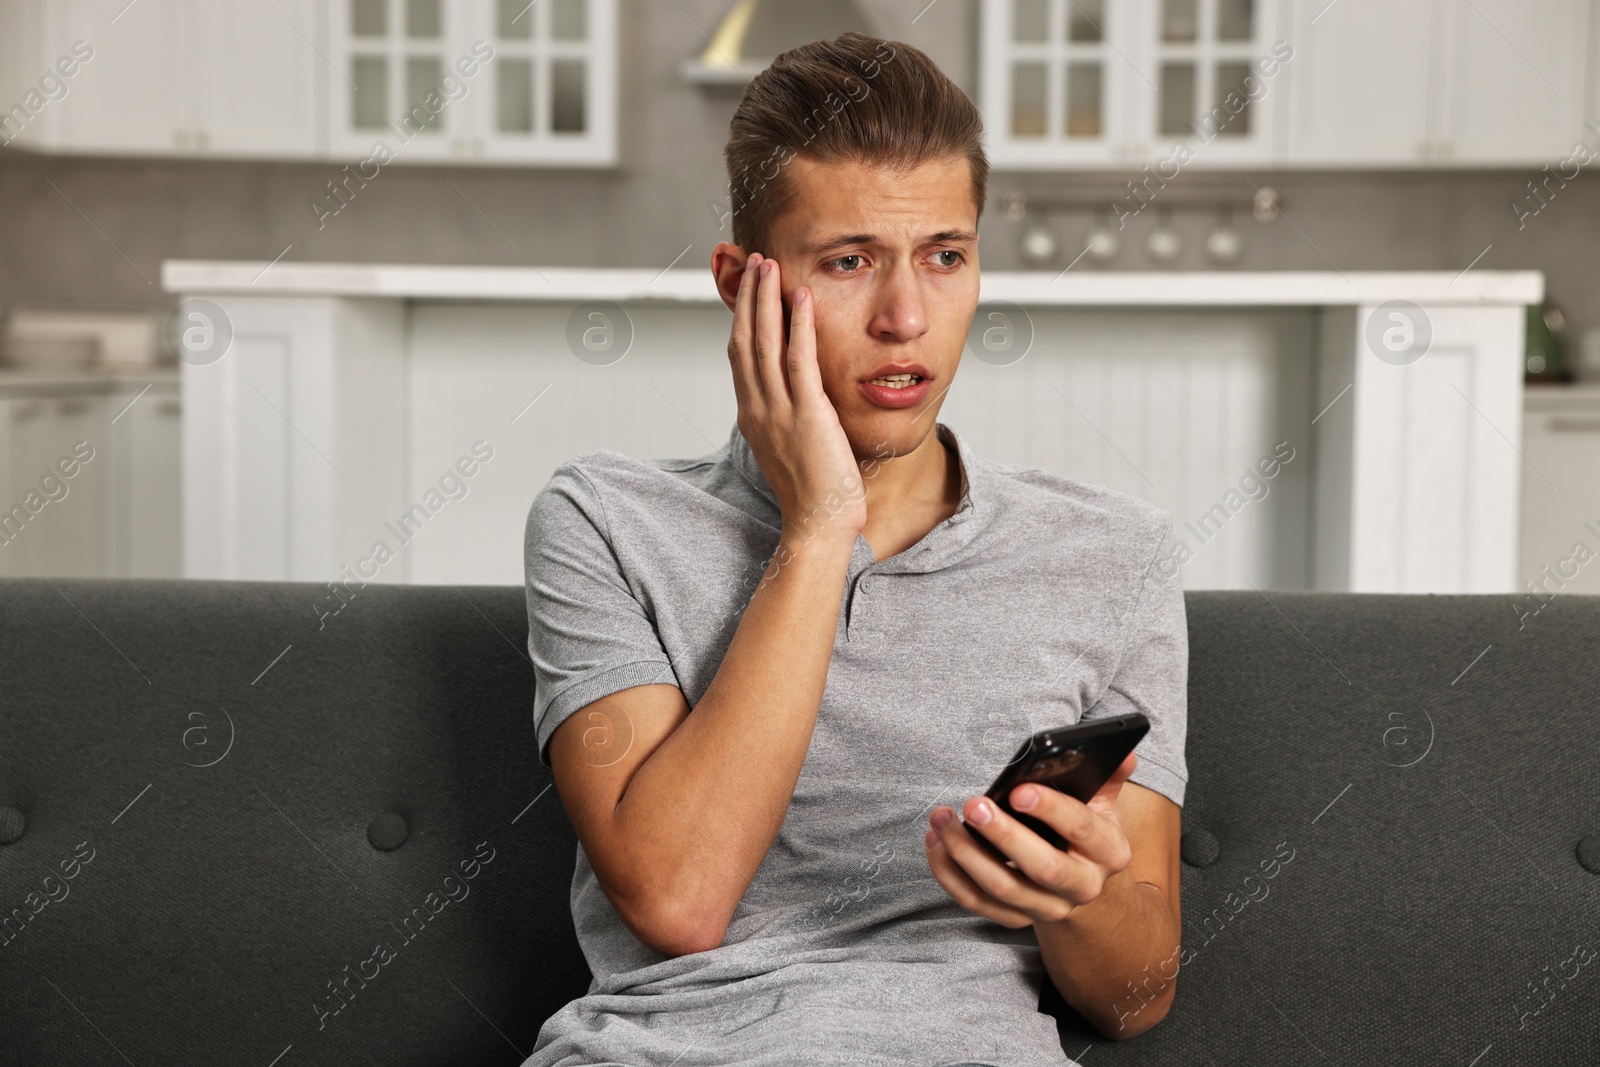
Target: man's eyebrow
824	244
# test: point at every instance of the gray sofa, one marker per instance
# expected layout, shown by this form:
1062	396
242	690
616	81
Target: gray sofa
214	811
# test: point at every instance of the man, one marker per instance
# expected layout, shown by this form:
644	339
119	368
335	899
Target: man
767	676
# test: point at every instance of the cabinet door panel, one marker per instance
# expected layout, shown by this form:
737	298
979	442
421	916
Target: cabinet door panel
27	118
256	91
399	86
129	97
1516	81
1056	79
549	93
1361	77
1210	81
68	534
146	501
1560	437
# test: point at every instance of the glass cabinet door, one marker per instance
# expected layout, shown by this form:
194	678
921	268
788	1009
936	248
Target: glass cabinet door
551	93
1054	80
391	60
1120	82
476	81
1206	85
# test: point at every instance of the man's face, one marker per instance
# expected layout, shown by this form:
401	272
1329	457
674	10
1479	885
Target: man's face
891	260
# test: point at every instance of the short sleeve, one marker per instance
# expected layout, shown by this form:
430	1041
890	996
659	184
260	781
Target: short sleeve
1152	675
588	635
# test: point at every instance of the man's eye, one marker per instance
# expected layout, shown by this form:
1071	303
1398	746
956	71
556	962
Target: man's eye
841	259
949	252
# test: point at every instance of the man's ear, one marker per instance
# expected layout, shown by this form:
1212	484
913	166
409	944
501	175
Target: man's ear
727	269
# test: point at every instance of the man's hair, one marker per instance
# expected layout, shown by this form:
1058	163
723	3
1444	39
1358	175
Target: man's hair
853	98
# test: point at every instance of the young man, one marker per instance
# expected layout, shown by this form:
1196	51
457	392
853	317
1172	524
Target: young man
765	676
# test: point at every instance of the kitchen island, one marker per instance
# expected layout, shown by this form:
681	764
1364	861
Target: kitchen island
351	398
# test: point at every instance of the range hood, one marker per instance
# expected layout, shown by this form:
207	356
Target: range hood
755	31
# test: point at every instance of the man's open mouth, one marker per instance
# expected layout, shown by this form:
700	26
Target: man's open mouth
896	381
900	384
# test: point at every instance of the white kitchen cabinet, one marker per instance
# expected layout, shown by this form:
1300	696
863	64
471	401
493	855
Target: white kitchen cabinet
53	525
1417	481
119	513
393	57
25	110
1125	82
1514	81
128	99
474	81
294	442
183	78
1468	83
146	484
511	81
1210	84
257	79
1560	495
1358	97
1056	86
552	91
1437	82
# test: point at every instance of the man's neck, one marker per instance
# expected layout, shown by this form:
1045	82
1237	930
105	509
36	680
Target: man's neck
911	494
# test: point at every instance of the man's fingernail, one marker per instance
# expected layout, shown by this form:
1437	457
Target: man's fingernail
932	840
1025	797
942	818
981	814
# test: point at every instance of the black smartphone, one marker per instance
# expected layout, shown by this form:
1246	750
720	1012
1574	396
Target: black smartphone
1076	759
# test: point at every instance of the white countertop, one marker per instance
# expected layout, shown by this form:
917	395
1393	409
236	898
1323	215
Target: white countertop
1074	288
19	379
1556	396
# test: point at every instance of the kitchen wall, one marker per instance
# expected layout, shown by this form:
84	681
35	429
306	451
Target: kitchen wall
94	231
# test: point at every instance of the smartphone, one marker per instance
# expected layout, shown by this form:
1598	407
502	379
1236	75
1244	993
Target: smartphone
1076	759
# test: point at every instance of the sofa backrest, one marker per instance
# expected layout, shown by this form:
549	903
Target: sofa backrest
270	791
1385	801
239	822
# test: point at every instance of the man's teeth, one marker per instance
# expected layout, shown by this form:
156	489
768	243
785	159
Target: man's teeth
895	381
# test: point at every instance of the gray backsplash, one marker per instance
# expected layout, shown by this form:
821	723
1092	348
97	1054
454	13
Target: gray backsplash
664	196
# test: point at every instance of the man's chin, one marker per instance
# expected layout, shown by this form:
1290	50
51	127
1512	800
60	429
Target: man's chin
885	434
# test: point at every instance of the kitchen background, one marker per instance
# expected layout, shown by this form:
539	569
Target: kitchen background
1411	135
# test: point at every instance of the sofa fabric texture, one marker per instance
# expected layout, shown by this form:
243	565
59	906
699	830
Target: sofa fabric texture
236	825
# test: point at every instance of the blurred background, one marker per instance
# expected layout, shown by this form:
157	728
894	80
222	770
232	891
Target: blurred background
276	275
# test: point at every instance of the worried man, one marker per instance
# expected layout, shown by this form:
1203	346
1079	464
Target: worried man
774	681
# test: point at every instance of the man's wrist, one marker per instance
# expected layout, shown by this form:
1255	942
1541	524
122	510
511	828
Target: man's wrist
1092	956
1117	893
812	547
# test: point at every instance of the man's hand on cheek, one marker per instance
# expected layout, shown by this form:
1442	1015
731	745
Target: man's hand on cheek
784	414
1045	884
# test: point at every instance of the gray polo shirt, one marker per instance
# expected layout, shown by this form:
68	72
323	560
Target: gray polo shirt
1039	602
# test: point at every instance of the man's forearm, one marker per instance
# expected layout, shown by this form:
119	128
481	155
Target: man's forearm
705	807
1115	959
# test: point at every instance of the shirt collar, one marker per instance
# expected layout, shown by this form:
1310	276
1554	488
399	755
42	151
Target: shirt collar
955	533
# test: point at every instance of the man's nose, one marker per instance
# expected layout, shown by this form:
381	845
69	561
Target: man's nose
901	312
